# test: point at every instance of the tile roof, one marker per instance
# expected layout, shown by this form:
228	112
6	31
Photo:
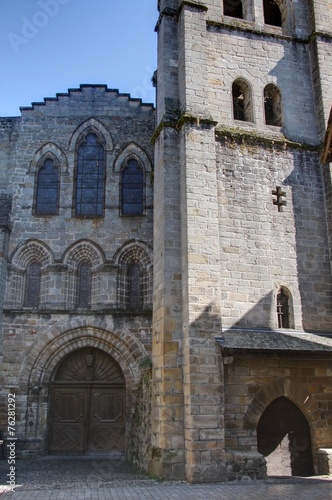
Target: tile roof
236	339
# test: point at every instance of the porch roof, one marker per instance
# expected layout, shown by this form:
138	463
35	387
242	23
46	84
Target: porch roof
242	339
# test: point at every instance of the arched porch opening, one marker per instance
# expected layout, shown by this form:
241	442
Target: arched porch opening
283	438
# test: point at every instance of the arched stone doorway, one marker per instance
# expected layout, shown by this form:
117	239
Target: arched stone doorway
87	414
283	437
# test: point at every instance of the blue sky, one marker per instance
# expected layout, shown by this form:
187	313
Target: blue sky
48	46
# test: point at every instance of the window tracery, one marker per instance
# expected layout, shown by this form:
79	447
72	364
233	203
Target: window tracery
132	188
32	284
90	178
47	189
134	287
84	280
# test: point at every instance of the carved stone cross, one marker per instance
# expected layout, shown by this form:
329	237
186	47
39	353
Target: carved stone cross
279	201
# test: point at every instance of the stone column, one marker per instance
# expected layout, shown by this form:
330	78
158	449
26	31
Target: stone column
200	242
167	390
5	230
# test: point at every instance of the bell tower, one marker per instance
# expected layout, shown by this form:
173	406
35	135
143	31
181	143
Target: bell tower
243	96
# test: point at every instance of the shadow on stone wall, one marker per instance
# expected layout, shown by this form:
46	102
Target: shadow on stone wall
259	316
313	261
138	447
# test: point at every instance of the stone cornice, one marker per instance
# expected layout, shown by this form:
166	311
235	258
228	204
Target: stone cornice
166	12
253	137
193	5
235	134
196	120
180	121
176	12
107	311
247	27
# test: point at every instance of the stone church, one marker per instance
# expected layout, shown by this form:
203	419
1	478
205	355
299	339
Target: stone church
165	272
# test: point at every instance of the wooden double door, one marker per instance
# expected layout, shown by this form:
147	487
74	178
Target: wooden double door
87	416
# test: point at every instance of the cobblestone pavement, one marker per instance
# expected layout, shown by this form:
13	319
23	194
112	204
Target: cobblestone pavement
50	478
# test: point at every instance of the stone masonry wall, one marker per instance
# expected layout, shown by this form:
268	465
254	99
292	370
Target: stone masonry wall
263	249
258	53
30	337
34	339
253	382
260	248
139	450
167	432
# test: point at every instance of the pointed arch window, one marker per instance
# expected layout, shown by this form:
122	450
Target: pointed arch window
272	105
272	14
233	8
32	284
135	292
84	281
242	104
132	189
90	178
47	189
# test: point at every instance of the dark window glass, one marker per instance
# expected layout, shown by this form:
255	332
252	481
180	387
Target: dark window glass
47	189
90	178
32	285
132	189
238	102
84	285
272	13
135	286
268	105
233	8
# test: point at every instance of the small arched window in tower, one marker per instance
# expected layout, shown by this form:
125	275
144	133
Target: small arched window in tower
135	295
272	105
84	279
272	14
32	284
47	189
132	189
283	309
242	106
233	8
90	178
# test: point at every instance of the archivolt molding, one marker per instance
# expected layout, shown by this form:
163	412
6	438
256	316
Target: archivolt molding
133	151
134	250
49	150
94	126
31	250
61	340
84	250
297	393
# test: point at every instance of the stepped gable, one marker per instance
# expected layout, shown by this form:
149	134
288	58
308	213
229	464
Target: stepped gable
84	88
